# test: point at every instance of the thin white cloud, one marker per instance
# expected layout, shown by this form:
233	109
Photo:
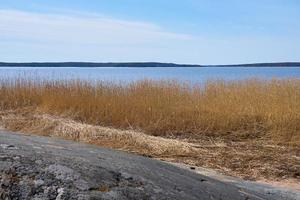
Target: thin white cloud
83	29
27	36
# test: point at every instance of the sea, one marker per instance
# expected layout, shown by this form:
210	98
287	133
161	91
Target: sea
129	74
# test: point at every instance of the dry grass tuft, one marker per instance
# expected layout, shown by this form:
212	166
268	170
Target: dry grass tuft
129	140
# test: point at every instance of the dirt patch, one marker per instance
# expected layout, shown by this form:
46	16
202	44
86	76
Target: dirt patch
251	159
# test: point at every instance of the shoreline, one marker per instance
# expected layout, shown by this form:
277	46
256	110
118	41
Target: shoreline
140	64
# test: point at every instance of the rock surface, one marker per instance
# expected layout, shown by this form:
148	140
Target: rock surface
41	168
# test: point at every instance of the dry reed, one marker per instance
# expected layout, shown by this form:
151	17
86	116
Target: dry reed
268	107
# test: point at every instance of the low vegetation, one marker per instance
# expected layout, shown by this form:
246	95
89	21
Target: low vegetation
248	128
168	108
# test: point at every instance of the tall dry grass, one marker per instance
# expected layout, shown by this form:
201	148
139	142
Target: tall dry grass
168	107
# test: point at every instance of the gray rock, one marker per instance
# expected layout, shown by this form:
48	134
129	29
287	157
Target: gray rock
7	146
38	183
42	171
60	193
62	172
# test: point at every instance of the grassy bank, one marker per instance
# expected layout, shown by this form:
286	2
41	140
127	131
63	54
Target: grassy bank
250	108
248	129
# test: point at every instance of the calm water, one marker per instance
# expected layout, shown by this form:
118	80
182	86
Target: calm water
194	75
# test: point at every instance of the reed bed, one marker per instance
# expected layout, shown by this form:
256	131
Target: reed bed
260	108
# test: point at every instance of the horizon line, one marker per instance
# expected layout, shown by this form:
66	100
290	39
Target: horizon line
149	62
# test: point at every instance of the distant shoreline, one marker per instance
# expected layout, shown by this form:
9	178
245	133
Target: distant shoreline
139	64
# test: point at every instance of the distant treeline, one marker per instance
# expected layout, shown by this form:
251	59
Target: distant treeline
140	64
91	64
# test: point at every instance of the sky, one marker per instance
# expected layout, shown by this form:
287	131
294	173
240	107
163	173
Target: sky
177	31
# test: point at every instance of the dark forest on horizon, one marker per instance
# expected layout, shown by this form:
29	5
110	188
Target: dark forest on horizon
139	64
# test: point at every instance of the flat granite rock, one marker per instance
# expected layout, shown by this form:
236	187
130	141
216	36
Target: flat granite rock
41	168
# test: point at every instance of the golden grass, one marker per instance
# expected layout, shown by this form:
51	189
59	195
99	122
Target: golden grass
128	140
249	159
161	108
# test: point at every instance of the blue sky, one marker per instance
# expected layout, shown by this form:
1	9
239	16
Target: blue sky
189	31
